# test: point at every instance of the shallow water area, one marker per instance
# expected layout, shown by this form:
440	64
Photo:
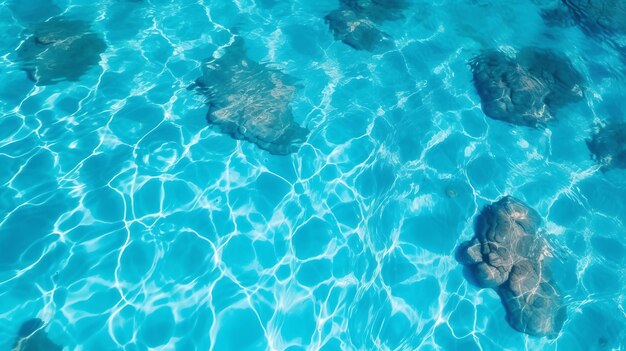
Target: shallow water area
127	222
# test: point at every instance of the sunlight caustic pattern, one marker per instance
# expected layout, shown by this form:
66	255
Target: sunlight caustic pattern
129	222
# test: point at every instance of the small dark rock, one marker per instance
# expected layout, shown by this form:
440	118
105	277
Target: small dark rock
356	22
357	32
451	193
608	145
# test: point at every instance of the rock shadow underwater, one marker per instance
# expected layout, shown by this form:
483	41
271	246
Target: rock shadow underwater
608	146
60	49
507	255
599	16
33	337
356	22
527	89
604	20
250	101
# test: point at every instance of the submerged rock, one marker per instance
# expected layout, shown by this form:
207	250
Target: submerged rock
527	89
599	16
604	20
608	145
557	16
357	32
60	49
33	10
356	22
250	101
507	255
378	10
32	337
508	92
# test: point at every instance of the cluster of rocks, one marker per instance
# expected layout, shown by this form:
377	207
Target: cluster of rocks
356	22
251	101
247	100
528	89
507	255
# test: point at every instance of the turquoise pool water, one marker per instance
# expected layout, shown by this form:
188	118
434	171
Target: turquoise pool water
127	222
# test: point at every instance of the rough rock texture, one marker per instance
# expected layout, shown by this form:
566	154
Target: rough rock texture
507	255
250	101
60	49
525	90
32	337
356	22
599	16
608	145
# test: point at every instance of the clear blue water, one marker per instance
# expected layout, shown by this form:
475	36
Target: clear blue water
128	223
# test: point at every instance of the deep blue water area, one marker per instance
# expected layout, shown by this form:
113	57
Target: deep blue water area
312	175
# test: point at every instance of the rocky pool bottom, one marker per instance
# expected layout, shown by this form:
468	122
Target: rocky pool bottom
358	172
